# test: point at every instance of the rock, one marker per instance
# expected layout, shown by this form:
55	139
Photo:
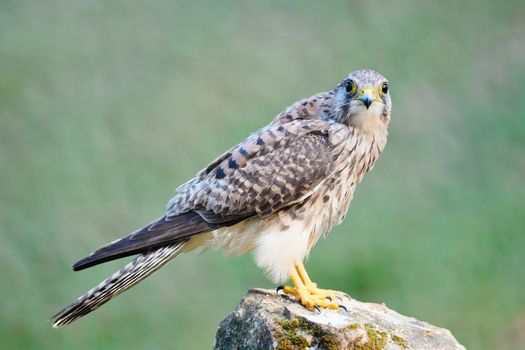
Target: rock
267	320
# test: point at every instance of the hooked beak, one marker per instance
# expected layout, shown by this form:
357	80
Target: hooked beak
368	96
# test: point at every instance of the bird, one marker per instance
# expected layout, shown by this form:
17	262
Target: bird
274	195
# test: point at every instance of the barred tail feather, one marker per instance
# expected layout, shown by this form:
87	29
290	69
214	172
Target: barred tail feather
134	272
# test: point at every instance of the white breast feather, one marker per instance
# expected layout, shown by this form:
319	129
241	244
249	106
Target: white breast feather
278	251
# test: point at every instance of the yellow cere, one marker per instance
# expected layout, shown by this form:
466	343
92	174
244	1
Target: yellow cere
369	91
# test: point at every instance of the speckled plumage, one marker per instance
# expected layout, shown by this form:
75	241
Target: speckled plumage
274	194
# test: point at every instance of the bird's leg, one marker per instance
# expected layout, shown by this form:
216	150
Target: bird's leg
301	293
312	287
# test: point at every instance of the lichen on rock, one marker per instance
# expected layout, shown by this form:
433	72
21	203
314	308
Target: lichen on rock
266	320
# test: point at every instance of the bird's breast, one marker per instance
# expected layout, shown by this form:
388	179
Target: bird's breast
360	154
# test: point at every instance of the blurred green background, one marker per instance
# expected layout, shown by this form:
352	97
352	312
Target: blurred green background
107	106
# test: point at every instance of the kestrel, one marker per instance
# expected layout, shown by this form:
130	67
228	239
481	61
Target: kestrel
274	194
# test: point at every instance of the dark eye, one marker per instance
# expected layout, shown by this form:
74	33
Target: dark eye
384	88
350	87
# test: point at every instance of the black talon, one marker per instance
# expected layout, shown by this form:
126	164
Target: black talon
342	307
317	308
279	288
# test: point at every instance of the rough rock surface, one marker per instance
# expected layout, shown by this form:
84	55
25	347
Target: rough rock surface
266	320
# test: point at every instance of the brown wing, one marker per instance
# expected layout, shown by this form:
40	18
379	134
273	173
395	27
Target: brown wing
276	167
272	169
161	232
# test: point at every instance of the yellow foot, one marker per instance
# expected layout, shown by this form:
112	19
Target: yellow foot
325	293
309	295
310	300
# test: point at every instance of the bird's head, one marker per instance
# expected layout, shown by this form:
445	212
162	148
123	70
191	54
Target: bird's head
362	100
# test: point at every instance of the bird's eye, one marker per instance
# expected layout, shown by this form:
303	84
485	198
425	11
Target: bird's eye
350	87
384	88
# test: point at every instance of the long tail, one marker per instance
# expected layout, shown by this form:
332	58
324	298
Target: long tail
134	272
